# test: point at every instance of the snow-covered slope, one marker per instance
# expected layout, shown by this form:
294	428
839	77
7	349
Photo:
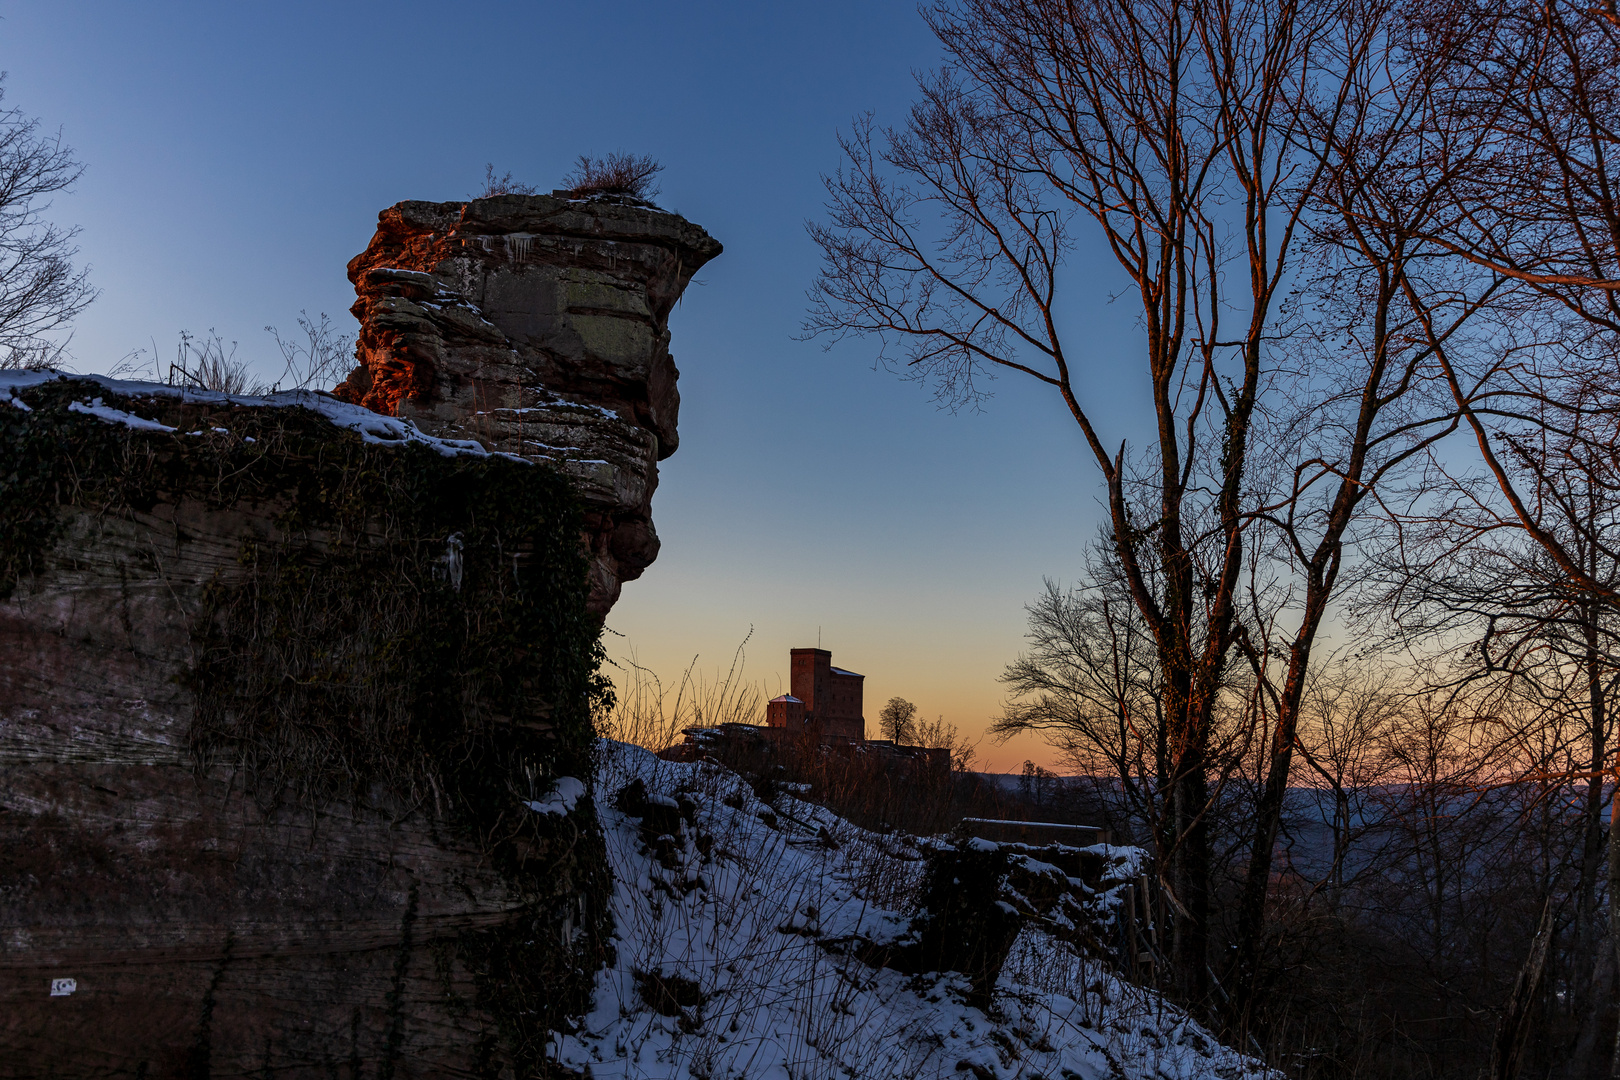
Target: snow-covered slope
724	969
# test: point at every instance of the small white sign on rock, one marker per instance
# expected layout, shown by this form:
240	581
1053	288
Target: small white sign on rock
63	987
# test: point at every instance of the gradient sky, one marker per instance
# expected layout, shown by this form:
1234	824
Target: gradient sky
238	155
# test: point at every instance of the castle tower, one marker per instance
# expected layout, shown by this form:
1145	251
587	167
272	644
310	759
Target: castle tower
831	696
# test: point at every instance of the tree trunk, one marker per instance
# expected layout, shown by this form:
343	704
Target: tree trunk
1592	994
1601	986
1192	888
1614	908
1512	1031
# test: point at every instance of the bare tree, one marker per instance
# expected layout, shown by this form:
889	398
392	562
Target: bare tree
939	735
1204	144
898	720
1540	648
1523	114
1382	409
1088	682
1529	92
1141	119
1349	709
40	291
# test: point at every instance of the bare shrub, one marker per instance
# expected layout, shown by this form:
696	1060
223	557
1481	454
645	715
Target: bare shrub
617	174
322	358
502	185
38	354
203	362
939	735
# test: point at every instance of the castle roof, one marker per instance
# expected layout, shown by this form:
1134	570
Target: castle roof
841	671
787	697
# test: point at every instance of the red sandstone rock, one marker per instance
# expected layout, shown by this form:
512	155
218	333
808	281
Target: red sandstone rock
539	326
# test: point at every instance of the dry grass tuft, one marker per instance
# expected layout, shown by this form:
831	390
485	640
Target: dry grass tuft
648	714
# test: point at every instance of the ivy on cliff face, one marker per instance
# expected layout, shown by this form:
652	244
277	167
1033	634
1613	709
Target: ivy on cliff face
398	623
43	454
396	616
419	622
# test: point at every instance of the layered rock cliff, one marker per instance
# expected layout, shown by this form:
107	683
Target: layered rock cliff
539	326
296	698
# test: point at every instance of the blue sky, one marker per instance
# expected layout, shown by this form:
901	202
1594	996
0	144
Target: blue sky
238	155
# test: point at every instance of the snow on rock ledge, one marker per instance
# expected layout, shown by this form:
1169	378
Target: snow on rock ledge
372	428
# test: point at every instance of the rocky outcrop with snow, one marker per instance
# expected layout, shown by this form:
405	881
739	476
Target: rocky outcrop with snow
733	918
296	691
295	700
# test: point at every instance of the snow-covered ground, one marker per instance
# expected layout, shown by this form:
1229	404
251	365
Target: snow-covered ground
728	965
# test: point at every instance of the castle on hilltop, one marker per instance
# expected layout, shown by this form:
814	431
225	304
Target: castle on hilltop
824	707
823	698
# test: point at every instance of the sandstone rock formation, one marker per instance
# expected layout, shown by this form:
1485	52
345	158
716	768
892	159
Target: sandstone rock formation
538	325
295	699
